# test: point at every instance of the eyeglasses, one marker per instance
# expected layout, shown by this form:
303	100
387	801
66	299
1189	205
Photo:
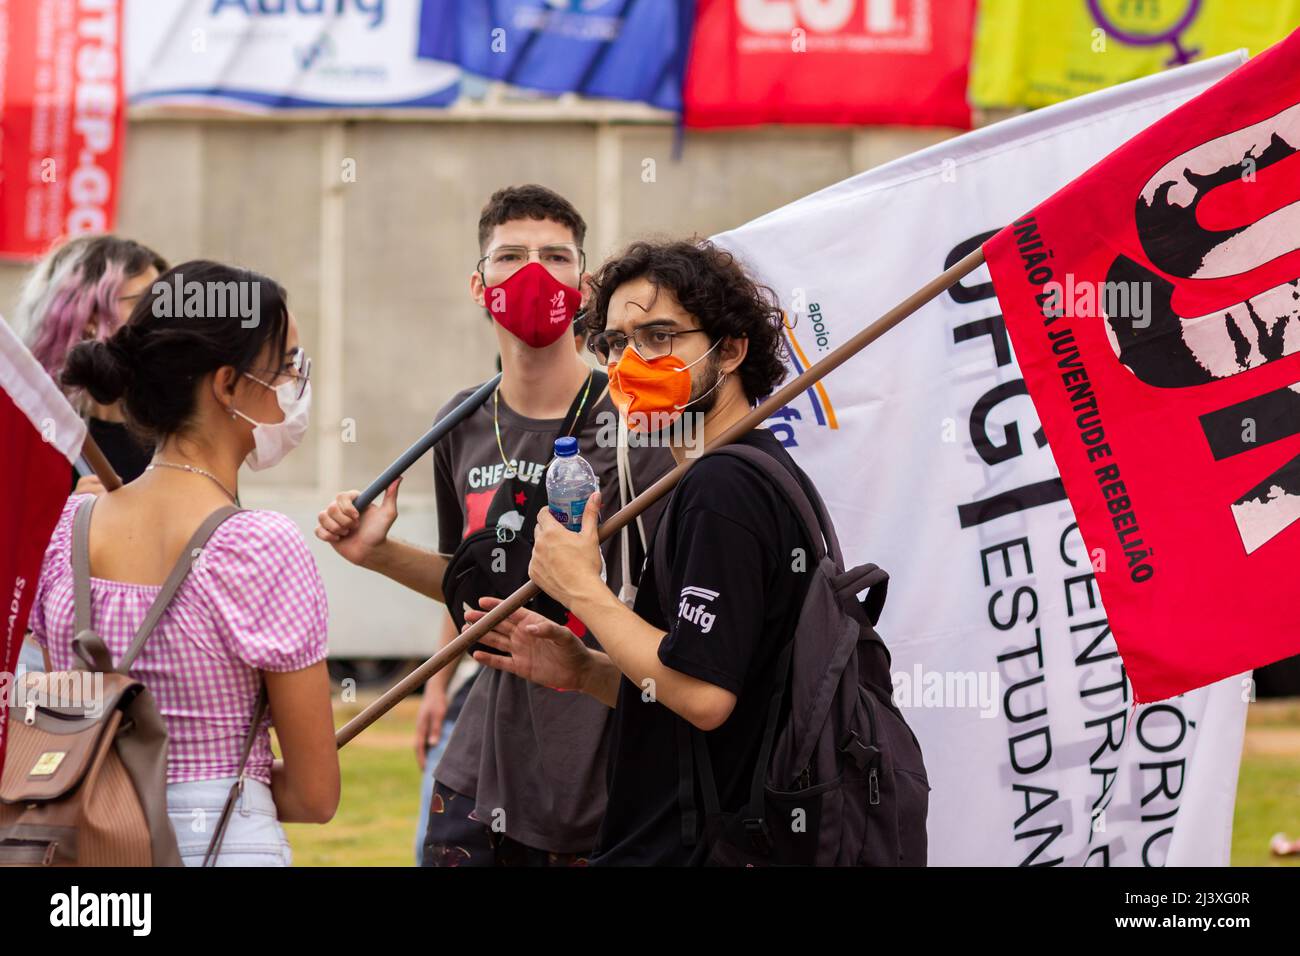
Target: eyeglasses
564	260
650	342
297	366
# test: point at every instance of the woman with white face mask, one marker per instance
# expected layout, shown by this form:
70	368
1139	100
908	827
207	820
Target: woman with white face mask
210	371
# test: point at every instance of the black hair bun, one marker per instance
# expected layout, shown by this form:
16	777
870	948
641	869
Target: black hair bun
103	369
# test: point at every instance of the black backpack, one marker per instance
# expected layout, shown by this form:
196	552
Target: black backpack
841	782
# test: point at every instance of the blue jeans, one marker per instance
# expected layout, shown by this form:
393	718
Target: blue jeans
254	836
431	758
30	659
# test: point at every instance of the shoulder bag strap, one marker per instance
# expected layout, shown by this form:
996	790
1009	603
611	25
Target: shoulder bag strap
259	712
574	421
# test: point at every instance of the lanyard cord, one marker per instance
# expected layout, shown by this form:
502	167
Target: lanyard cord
496	420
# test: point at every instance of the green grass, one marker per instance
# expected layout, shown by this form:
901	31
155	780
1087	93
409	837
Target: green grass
375	824
376	819
1268	790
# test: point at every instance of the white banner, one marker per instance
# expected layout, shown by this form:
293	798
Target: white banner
931	459
37	396
281	54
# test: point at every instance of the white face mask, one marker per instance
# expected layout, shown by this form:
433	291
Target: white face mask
271	442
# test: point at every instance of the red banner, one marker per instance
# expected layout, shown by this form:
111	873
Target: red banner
901	62
1154	307
40	434
62	119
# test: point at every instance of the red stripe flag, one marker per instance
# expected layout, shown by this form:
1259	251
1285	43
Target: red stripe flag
1154	306
41	435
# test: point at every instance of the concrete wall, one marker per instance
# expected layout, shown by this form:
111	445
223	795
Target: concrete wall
377	265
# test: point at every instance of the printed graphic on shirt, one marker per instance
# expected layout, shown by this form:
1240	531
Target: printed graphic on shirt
476	509
489	476
482	483
694	608
508	524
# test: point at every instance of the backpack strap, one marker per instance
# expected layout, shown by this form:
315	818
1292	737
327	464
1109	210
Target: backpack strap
806	500
693	751
179	572
755	825
91	649
176	578
686	784
818	528
692	746
865	577
88	646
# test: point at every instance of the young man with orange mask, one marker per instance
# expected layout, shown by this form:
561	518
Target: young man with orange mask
689	340
522	778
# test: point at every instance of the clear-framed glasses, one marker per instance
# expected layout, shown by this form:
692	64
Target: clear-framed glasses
563	260
296	366
650	342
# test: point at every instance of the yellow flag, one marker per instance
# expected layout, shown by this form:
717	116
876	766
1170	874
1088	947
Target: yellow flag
1037	52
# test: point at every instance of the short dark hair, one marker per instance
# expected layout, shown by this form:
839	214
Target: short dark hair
153	362
529	201
712	286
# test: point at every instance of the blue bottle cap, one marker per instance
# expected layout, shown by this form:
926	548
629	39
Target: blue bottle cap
566	447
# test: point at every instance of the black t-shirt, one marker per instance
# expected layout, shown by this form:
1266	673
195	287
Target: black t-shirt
127	456
737	585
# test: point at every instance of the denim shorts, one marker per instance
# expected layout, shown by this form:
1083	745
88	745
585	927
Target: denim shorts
253	837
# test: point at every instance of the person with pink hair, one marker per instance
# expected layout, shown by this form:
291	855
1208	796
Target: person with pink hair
85	289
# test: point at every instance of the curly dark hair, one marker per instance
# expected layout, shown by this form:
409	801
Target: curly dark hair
712	286
529	201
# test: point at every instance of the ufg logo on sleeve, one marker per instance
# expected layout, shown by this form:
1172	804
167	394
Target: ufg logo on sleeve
697	614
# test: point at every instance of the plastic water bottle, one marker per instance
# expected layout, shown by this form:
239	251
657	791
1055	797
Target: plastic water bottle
570	481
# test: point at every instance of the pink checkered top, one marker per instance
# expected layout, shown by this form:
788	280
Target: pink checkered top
254	602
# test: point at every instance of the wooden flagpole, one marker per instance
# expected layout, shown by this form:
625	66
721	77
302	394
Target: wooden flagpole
108	477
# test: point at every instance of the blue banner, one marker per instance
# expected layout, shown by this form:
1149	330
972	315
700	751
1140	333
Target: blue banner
620	49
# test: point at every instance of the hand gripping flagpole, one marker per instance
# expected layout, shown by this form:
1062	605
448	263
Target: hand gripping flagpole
756	416
466	408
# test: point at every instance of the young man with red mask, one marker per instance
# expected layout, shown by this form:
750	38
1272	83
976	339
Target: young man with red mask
522	777
688	339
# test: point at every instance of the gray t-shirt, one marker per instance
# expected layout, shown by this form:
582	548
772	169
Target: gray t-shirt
535	755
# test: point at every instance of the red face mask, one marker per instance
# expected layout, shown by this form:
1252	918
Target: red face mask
533	305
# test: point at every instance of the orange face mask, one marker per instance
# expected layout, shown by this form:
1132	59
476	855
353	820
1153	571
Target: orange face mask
652	392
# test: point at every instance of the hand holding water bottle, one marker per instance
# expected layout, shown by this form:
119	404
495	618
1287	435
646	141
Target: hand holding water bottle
564	563
570	481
